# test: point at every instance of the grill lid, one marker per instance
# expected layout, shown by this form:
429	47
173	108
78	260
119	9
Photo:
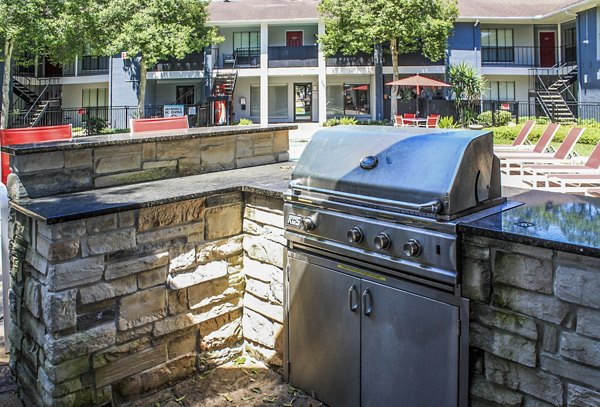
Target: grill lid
429	170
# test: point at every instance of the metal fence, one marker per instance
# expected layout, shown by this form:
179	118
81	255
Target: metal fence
95	120
586	114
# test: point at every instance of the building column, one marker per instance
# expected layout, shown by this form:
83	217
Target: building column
264	74
322	79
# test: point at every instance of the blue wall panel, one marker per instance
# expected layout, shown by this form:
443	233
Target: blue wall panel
587	56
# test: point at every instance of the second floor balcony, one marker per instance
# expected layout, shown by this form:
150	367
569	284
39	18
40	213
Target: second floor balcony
191	62
360	59
528	56
288	57
84	66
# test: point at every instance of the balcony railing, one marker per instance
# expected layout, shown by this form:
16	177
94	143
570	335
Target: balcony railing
89	65
411	59
302	56
528	56
360	59
191	62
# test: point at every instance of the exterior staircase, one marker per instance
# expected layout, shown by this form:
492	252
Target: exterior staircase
221	95
550	95
224	83
33	105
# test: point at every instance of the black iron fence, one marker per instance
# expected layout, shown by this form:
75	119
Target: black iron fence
586	114
106	120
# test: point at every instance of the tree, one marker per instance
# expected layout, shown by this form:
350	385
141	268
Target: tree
57	29
467	85
156	30
407	25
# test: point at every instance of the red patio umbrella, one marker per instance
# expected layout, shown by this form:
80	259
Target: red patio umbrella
361	87
419	81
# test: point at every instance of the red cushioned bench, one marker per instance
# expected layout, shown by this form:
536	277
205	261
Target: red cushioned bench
29	135
160	123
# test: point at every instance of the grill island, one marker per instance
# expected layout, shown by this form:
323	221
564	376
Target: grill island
375	313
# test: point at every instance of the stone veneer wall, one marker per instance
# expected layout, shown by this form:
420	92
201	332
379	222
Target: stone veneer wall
50	173
535	325
113	306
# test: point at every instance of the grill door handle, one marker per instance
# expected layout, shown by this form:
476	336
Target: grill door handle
367	302
353	305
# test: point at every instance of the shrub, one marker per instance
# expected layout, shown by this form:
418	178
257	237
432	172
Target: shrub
95	125
447	122
502	118
344	121
245	122
374	123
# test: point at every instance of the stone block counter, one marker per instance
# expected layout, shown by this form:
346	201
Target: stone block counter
119	291
86	163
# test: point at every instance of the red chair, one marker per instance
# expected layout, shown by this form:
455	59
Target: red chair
406	120
398	120
30	135
432	121
160	123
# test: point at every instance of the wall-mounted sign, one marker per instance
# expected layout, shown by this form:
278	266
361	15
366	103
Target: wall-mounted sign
124	55
192	110
173	111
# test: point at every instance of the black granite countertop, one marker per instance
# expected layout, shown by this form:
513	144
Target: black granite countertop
147	136
271	180
551	220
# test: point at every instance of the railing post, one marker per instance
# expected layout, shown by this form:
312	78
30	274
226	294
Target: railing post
493	113
517	112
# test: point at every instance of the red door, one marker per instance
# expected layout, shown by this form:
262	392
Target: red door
547	49
293	38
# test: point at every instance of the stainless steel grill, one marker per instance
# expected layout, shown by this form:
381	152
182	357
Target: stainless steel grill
373	288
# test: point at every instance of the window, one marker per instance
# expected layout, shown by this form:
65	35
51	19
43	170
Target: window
335	100
497	45
255	101
94	97
246	40
185	95
500	91
570	41
356	99
278	101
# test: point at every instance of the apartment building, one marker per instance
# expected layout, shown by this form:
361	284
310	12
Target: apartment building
270	67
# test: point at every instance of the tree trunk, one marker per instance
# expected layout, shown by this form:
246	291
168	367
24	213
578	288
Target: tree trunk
6	83
394	97
142	87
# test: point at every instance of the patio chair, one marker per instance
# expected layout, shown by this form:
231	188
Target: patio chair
397	120
537	173
30	135
521	142
432	121
540	147
562	153
159	123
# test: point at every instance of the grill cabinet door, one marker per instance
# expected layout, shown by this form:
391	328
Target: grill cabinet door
324	333
410	349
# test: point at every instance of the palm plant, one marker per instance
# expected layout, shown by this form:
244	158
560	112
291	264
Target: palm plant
468	86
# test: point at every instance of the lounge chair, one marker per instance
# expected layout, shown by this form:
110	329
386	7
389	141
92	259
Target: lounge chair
507	163
540	147
520	141
537	173
398	120
30	135
593	192
157	124
573	183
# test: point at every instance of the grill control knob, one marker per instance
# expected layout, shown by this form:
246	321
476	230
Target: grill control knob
355	235
307	224
412	248
382	241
